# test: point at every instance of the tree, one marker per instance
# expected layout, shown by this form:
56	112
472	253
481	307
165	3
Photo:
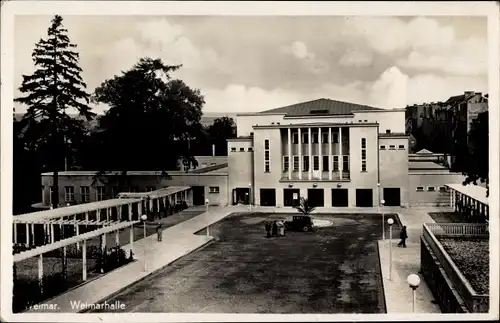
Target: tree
477	167
305	207
150	122
221	130
54	87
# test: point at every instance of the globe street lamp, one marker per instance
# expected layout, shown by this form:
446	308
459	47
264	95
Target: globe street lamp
144	217
390	222
207	202
382	202
414	281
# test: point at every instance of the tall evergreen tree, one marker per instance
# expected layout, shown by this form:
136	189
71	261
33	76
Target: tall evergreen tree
477	168
54	88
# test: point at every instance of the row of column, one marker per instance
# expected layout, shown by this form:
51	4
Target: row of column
320	144
48	228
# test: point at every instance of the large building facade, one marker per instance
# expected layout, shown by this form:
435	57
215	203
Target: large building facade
336	154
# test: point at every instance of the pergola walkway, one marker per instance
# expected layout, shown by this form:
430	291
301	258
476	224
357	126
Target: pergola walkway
470	200
59	228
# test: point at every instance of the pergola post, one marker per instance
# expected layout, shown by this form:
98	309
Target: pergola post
139	209
119	211
64	264
117	237
84	260
52	240
104	242
107	214
129	217
40	273
33	242
131	240
98	215
451	197
27	234
15	233
77	227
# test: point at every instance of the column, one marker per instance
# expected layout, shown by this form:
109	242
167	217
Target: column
290	161
98	215
33	242
28	234
15	232
40	273
104	240
107	214
139	210
300	154
84	260
129	212
320	153
341	159
65	263
309	145
77	229
330	154
52	233
119	211
117	237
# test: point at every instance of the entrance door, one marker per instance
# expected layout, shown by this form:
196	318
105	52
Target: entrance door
291	196
267	197
316	197
364	197
392	196
241	195
198	195
340	197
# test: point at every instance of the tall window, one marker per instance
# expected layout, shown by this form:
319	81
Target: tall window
85	194
324	137
295	138
305	163
335	163
325	164
285	163
335	137
345	163
69	194
305	138
363	154
267	153
296	163
315	162
100	193
315	138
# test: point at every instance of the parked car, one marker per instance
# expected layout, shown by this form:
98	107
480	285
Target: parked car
299	223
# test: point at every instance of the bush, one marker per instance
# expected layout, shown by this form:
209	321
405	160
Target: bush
27	293
19	247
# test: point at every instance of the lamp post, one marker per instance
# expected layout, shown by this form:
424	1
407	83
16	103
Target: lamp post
382	202
414	281
144	217
250	196
207	202
390	222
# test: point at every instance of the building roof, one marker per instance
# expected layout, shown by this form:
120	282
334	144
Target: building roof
424	151
425	165
476	192
321	107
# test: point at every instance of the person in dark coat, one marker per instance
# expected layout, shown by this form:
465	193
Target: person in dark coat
268	229
403	236
275	229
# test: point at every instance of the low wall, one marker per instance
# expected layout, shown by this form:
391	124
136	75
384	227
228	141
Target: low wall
449	286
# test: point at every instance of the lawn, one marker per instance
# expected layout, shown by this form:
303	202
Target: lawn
448	217
331	270
472	259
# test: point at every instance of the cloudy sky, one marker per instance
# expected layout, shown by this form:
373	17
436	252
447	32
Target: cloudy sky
249	64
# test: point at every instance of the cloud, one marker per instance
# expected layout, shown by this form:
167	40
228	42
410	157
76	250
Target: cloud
391	89
356	58
300	51
425	44
309	59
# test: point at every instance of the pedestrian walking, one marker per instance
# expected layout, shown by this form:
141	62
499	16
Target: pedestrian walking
159	232
275	229
281	228
268	229
403	236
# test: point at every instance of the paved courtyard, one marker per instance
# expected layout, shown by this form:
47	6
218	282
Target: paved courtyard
332	270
